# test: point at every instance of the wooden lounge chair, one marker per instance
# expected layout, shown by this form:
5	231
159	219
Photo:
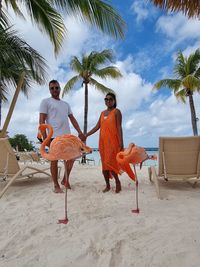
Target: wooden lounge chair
90	160
179	158
36	158
9	166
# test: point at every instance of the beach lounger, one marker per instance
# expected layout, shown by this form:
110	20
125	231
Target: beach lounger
36	158
90	160
179	158
25	157
9	166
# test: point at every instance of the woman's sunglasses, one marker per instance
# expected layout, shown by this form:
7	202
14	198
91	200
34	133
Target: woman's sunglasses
108	99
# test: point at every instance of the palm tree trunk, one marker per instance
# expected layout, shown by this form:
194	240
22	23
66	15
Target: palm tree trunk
0	7
85	116
86	109
0	107
12	106
193	115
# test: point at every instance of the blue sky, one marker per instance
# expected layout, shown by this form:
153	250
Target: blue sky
147	54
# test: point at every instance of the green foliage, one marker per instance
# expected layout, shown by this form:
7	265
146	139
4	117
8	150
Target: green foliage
22	142
186	82
91	65
47	16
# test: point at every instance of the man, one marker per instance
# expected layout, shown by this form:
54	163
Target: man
56	112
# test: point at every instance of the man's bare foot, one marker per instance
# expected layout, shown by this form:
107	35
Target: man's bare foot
57	189
66	183
106	189
118	187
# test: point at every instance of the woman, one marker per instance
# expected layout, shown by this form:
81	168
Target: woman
110	140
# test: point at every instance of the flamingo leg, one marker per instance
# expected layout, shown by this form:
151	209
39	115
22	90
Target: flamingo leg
137	210
65	220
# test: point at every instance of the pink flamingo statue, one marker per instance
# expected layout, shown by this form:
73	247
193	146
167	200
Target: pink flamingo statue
135	155
64	147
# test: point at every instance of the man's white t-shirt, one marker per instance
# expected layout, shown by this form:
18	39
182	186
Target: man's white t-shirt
57	115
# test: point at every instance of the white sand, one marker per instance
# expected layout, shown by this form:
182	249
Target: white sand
101	231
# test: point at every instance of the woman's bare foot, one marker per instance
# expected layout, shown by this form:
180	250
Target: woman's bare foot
106	189
66	183
118	187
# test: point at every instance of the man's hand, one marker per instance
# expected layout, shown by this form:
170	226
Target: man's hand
82	137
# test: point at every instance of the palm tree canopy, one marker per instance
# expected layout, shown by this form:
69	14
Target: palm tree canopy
45	14
190	8
187	72
17	56
97	12
90	65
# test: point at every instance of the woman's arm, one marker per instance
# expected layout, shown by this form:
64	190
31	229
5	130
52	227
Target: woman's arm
93	130
119	128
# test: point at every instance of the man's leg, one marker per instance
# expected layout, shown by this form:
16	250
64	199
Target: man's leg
68	167
106	175
54	174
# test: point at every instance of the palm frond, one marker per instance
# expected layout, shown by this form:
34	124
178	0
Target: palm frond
180	66
190	8
197	73
190	82
15	7
193	62
17	56
98	58
181	95
170	83
100	87
46	17
70	84
3	19
76	65
110	71
97	12
3	92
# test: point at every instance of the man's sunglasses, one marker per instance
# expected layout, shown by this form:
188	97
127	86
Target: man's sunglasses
55	87
108	99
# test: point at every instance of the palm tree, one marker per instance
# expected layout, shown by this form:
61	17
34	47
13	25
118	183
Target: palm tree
187	81
44	13
18	57
88	67
190	8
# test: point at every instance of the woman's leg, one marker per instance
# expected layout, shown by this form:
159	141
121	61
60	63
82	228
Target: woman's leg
117	181
106	177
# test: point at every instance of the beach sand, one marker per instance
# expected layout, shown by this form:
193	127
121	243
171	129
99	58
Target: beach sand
102	230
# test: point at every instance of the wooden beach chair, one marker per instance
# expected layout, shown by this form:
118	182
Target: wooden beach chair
179	158
9	166
36	158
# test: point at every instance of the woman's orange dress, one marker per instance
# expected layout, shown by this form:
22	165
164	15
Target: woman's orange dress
109	142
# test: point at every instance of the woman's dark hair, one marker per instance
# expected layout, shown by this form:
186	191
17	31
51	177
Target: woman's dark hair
114	97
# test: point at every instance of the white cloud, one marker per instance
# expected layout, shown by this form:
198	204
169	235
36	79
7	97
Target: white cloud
178	27
143	11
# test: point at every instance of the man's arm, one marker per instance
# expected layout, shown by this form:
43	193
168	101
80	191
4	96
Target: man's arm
76	126
42	119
